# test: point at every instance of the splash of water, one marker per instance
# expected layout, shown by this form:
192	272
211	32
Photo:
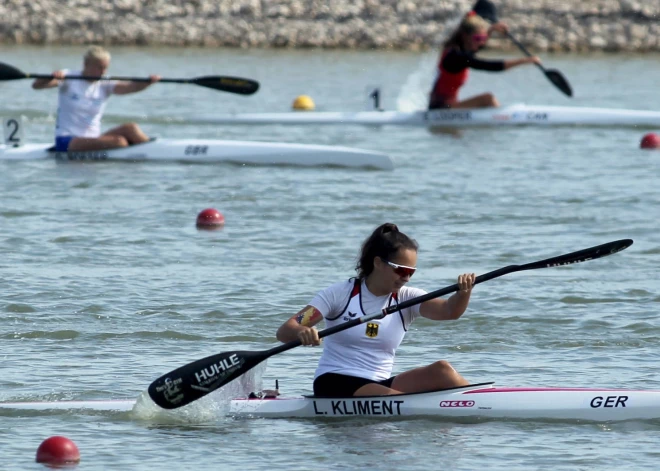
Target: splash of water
210	408
414	93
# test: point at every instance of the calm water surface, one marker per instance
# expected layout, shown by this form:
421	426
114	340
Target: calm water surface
106	284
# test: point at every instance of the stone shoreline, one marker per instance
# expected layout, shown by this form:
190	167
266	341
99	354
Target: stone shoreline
542	25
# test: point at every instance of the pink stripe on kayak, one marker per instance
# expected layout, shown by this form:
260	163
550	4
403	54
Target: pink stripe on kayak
509	390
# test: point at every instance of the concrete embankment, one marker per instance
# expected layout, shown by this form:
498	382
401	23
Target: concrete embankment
543	25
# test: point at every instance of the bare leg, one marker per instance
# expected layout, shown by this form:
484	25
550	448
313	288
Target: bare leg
129	131
81	144
438	375
121	136
485	100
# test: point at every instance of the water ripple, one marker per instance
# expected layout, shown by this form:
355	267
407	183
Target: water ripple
107	284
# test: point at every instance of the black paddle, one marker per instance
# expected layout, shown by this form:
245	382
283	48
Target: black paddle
197	379
486	10
241	86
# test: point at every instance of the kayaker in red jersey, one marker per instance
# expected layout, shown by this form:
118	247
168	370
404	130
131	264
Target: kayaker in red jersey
458	57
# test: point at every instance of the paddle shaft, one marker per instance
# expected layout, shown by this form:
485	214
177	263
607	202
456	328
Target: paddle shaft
524	50
93	78
223	83
567	259
238	85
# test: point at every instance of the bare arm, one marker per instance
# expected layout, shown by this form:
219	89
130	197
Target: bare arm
124	88
42	83
449	309
300	326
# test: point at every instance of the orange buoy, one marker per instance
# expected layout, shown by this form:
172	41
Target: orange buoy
58	450
650	141
210	218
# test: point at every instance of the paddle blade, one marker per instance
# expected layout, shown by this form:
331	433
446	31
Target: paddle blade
199	378
241	86
591	253
559	81
7	72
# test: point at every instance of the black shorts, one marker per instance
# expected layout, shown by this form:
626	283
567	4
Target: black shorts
337	385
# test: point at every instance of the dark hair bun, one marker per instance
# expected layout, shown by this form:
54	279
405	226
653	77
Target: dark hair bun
389	227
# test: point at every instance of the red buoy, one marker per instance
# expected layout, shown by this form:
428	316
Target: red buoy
210	218
650	141
58	450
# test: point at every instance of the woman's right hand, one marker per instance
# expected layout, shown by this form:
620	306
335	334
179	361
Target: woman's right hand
500	27
309	336
534	60
59	74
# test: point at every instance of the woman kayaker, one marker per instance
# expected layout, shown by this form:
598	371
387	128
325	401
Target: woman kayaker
358	361
81	104
459	55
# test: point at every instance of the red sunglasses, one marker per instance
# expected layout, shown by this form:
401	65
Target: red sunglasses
402	270
480	38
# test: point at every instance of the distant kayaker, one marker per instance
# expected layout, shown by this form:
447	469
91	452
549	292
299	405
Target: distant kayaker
81	104
358	361
458	56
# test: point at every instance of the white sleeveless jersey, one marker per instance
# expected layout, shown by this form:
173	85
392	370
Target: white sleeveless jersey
81	105
366	350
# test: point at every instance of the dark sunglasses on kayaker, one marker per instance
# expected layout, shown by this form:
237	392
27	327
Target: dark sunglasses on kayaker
402	270
480	38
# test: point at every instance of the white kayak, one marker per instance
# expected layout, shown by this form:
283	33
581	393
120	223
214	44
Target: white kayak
212	151
511	115
479	401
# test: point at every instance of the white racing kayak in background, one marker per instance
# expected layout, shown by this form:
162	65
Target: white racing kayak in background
511	115
207	151
479	401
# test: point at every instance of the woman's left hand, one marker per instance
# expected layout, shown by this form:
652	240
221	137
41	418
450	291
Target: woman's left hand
466	283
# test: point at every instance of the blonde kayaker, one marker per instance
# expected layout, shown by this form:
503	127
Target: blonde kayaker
81	104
